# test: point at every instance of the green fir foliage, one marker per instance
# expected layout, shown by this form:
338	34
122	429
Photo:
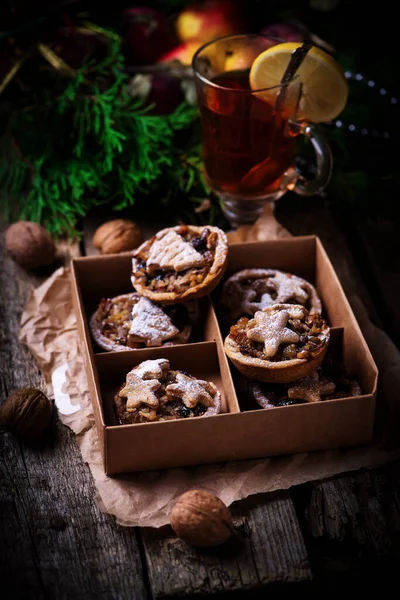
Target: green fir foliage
89	144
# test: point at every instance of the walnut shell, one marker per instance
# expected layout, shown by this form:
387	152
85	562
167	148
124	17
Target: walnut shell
201	519
116	236
25	413
30	244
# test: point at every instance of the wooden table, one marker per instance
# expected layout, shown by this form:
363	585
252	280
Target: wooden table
326	536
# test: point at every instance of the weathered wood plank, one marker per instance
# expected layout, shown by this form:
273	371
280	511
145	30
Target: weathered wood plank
270	550
54	541
352	524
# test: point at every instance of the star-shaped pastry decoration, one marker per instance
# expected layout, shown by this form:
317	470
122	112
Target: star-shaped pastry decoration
149	323
310	388
271	330
171	252
137	392
150	369
241	300
289	287
265	300
190	391
249	306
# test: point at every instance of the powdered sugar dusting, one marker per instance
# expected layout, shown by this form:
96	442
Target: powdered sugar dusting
252	307
150	324
150	369
190	391
250	290
310	388
288	287
137	391
271	330
296	312
171	252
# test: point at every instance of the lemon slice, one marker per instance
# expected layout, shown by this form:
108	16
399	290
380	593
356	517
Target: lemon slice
324	86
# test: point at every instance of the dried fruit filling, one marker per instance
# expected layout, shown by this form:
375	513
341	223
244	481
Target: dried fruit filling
115	316
169	408
166	281
344	385
311	339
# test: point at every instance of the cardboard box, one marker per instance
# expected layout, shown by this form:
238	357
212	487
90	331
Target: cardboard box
242	430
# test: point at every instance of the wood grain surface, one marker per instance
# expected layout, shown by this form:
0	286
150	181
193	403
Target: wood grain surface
326	536
54	541
267	548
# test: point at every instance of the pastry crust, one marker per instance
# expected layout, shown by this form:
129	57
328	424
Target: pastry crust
155	392
199	289
96	327
278	371
328	385
240	298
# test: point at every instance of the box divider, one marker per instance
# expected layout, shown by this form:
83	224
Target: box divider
212	331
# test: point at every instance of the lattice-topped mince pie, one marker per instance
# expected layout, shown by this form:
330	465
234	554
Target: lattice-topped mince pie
155	392
130	321
179	263
280	343
321	385
250	290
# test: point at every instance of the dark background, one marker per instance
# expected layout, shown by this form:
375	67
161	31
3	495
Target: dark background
364	39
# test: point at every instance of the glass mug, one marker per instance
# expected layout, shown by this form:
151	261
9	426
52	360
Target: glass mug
249	146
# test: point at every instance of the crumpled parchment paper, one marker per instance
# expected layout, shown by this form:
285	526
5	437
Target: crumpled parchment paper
48	328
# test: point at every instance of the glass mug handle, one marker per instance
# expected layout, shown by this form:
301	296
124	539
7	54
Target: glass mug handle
292	178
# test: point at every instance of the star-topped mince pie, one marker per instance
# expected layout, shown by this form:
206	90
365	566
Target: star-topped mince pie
310	388
250	290
322	384
155	392
281	343
179	263
130	321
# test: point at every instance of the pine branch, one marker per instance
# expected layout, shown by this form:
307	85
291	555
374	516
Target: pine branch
87	142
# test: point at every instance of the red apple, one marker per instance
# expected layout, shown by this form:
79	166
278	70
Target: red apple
147	35
208	20
183	53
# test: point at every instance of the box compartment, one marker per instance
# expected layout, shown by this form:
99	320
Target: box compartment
336	352
234	434
90	274
200	360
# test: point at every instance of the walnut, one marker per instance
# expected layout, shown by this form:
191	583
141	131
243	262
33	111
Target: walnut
25	413
30	244
201	519
116	236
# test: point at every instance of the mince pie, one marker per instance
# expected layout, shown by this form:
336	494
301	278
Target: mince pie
280	343
320	385
130	321
179	263
250	290
155	392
